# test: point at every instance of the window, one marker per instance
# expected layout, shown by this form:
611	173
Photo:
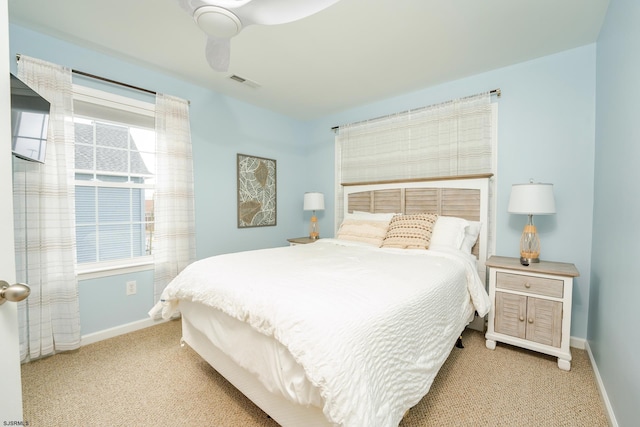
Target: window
114	180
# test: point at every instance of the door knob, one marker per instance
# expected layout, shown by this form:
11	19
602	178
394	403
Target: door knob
15	293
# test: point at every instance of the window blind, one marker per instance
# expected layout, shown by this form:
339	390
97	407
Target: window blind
449	139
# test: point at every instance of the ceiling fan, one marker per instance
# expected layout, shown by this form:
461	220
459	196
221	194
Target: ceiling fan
223	19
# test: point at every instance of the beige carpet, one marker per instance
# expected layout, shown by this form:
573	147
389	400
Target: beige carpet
146	379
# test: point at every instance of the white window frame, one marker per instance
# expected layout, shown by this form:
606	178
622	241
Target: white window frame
105	99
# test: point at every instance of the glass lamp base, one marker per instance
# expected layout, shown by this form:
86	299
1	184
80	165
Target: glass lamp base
529	244
527	261
314	229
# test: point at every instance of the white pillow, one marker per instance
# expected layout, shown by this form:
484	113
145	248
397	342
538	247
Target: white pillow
449	231
471	233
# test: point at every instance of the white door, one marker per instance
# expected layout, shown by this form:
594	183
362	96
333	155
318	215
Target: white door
10	385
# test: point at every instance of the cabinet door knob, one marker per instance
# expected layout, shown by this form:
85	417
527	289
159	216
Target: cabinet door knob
527	285
530	320
522	318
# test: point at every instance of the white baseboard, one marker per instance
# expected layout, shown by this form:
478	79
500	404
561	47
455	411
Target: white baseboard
118	330
603	392
578	343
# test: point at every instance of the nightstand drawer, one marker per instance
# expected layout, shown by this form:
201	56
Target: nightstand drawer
530	284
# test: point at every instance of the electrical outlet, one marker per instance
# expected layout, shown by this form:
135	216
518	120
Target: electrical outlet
131	287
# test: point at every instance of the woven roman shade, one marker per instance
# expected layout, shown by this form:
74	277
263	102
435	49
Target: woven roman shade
454	138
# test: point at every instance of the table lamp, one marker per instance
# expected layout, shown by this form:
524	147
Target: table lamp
531	199
314	202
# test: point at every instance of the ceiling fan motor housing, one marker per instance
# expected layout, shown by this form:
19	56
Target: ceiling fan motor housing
217	21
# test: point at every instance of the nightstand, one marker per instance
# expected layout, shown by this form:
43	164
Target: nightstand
531	306
300	241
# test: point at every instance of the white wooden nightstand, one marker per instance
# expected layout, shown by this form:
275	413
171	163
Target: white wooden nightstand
300	241
531	306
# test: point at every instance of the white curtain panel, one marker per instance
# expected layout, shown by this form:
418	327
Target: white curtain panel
174	236
44	215
449	139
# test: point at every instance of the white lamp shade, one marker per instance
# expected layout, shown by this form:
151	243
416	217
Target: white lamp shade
313	202
532	199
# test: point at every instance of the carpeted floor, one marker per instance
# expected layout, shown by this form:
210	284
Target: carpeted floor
146	379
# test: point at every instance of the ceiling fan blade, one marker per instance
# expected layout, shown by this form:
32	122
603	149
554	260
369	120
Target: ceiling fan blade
273	12
186	5
218	53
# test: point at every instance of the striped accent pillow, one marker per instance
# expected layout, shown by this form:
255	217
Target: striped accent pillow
371	232
410	231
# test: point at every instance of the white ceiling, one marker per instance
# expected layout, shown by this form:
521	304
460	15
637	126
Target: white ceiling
353	53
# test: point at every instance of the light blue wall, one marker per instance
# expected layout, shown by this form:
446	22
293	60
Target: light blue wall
546	131
615	289
104	303
221	127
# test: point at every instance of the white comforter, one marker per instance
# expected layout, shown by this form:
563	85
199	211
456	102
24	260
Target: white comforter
371	327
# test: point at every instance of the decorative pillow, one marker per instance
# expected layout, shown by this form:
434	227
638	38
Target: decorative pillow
449	231
471	233
410	231
365	231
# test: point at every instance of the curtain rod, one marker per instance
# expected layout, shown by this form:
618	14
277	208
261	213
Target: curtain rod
104	79
496	92
115	82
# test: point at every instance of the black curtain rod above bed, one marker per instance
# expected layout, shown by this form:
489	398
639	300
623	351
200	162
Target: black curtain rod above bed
496	92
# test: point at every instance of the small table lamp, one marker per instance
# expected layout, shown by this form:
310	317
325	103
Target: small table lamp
531	199
314	202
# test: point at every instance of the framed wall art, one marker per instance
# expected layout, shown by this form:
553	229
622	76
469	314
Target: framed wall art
256	191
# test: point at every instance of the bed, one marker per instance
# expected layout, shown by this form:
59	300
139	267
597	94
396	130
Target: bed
349	330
